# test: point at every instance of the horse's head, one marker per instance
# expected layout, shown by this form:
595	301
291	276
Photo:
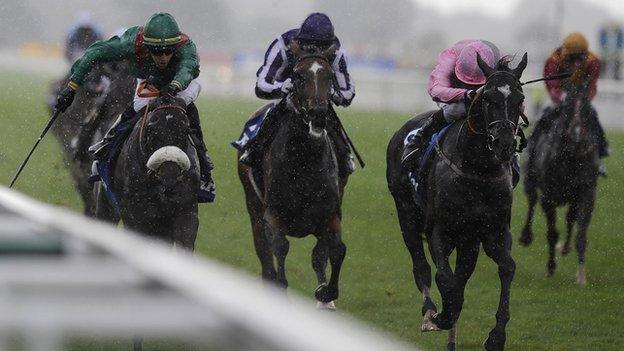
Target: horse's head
575	111
164	135
312	81
501	101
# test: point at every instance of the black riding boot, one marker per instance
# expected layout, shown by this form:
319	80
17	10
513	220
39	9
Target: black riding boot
254	150
207	186
413	150
118	129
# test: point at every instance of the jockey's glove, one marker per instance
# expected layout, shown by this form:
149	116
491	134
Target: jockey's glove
170	90
65	98
287	86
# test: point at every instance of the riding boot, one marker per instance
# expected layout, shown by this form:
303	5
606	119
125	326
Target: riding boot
120	126
413	150
207	190
252	156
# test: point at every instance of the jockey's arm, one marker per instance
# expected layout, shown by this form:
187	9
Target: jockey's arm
343	84
594	74
439	87
188	68
113	49
553	86
269	80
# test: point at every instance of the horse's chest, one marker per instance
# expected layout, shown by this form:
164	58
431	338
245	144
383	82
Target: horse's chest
473	202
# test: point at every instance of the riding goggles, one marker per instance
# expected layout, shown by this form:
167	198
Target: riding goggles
162	50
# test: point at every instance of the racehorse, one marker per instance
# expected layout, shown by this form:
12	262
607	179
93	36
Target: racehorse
467	200
563	167
107	90
156	177
300	191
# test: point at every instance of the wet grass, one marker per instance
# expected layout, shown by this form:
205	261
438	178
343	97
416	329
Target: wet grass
377	284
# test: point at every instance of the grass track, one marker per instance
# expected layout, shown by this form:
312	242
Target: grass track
376	283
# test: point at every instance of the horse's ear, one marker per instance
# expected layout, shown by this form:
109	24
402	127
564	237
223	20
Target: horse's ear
329	52
521	66
295	48
487	70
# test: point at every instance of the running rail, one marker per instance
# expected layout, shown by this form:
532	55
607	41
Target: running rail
109	283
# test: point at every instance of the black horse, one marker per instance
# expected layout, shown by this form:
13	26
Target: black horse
156	177
468	199
563	167
106	92
300	192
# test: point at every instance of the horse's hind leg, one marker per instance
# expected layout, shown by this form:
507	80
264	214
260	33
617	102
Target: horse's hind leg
421	270
585	213
571	217
263	250
553	236
498	248
527	233
337	251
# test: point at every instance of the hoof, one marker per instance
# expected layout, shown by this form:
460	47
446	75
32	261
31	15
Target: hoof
495	341
442	323
550	268
581	277
526	238
563	248
428	324
324	293
451	346
326	306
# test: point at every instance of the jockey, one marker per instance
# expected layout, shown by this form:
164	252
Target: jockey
82	33
160	52
573	56
452	85
274	82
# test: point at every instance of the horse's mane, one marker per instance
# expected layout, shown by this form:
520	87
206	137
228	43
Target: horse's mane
503	63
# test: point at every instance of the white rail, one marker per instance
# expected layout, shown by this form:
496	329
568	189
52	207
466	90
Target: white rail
95	281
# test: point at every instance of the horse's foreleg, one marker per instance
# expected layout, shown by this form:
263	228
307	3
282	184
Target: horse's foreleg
553	236
498	248
571	217
337	251
263	250
440	250
280	247
585	213
185	230
320	255
527	233
103	209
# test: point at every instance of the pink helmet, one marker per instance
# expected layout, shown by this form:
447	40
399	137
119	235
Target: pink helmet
466	68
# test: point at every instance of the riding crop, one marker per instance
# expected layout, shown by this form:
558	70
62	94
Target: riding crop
43	133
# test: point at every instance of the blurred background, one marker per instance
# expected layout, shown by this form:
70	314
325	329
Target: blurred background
392	45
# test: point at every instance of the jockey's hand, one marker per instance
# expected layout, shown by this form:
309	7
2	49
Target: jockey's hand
65	98
469	95
169	90
287	86
336	97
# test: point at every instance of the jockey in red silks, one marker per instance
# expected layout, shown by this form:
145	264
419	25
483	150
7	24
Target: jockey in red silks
452	85
573	56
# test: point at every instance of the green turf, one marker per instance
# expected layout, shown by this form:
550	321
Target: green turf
377	284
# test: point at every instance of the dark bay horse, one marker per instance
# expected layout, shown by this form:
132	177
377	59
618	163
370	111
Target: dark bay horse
107	90
156	177
301	191
563	168
467	203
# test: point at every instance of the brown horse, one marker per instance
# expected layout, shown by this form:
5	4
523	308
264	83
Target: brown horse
300	192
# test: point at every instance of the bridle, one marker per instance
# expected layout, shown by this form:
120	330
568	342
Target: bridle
489	125
145	118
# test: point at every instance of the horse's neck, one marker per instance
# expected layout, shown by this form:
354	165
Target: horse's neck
298	148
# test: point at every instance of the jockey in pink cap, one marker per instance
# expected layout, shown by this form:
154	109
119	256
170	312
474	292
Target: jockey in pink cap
452	84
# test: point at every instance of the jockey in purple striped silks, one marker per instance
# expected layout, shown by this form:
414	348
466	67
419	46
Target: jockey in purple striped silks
274	83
